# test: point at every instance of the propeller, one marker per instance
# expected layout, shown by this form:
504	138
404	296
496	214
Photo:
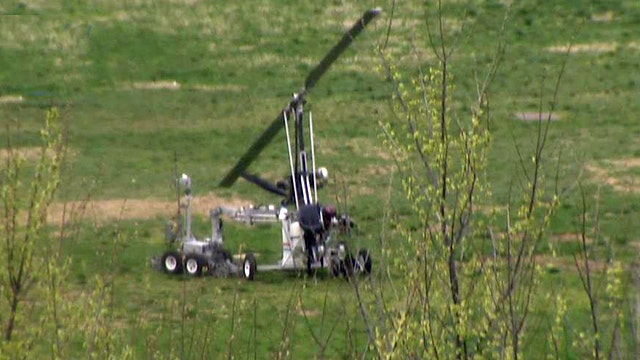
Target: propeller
338	49
278	123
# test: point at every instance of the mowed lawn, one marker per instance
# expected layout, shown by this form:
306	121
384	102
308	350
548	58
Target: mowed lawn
143	83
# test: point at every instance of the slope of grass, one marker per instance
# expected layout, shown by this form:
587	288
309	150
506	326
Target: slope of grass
140	81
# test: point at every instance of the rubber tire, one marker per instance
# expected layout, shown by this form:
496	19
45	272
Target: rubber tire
249	266
194	264
175	262
364	260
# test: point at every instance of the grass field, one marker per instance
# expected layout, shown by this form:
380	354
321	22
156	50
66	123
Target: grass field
139	81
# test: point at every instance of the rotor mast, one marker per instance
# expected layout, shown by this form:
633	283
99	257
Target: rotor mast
296	109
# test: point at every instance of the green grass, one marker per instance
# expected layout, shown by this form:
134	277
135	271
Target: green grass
237	65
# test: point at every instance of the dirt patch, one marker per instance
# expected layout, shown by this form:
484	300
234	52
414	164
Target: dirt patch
626	163
184	2
615	173
11	99
592	48
362	191
24	153
603	176
101	211
536	115
635	244
555	264
217	88
174	85
29	153
261	59
377	170
157	85
571	238
589	97
32	153
602	17
490	209
203	204
359	145
568	263
310	313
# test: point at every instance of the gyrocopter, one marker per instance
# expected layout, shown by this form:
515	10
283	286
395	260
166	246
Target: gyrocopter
311	232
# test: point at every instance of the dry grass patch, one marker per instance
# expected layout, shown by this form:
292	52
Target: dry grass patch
450	25
66	43
101	211
568	264
491	209
590	48
30	153
375	170
571	237
342	14
361	190
261	60
593	48
184	2
206	19
626	163
11	99
557	263
157	85
536	115
635	244
616	173
606	16
359	63
217	88
309	313
590	97
362	145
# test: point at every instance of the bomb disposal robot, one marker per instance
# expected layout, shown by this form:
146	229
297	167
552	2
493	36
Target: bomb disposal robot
309	241
309	229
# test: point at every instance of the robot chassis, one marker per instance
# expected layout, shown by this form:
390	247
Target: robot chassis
208	257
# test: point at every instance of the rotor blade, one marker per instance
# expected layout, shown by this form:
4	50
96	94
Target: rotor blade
309	82
253	151
263	184
338	49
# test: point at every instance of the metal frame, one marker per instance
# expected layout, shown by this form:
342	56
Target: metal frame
302	185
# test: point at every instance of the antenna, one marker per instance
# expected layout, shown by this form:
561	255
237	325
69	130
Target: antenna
293	172
313	158
178	195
